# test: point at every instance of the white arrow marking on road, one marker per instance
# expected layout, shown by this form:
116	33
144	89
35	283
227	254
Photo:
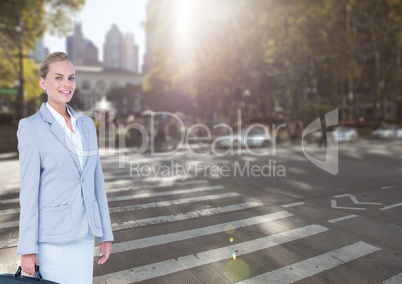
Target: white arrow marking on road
354	200
391	206
309	267
335	206
387	186
166	267
342	218
292	204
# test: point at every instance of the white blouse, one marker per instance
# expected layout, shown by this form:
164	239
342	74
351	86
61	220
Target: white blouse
74	136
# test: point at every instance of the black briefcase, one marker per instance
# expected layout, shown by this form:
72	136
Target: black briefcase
18	278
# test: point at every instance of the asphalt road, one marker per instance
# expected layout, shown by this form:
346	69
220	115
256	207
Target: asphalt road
261	216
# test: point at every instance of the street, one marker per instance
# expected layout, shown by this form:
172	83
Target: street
243	218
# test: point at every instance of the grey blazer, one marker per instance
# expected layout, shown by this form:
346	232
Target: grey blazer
59	201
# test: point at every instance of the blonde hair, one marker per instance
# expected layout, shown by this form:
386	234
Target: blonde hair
49	59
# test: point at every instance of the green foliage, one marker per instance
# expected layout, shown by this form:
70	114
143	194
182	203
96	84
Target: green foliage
312	111
25	21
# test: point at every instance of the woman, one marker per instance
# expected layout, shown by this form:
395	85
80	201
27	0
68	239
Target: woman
63	199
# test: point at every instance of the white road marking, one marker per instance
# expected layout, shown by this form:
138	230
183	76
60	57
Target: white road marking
342	218
10	224
387	186
126	184
335	206
8	244
173	202
203	258
10	211
354	199
204	231
185	216
397	279
293	204
12	186
167	218
309	267
391	206
10	200
164	193
10	267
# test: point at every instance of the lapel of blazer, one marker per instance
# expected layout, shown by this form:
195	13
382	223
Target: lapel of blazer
58	131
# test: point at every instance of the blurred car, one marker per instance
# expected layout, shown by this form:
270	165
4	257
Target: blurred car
398	133
387	132
255	137
345	134
339	134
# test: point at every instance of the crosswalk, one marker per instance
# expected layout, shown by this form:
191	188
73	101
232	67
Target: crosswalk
202	233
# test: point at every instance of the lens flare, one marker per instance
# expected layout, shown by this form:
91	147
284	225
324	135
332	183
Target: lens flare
236	270
231	240
230	229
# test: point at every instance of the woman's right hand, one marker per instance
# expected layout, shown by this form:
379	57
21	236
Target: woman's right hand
28	262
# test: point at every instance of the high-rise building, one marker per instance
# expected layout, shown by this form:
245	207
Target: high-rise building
153	8
40	51
130	53
120	51
81	50
113	48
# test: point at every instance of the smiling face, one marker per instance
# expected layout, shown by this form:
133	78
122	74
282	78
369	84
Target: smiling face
59	83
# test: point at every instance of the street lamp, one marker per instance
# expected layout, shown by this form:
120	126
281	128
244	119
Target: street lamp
245	102
20	98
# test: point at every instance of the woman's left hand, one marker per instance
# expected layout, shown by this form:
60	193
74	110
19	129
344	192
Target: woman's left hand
105	250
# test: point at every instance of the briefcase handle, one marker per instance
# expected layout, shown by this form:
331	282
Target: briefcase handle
37	273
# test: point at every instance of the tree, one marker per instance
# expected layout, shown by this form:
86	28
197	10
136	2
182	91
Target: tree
285	53
22	23
124	99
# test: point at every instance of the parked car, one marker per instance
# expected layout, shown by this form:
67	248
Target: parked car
398	133
339	133
345	134
255	137
387	132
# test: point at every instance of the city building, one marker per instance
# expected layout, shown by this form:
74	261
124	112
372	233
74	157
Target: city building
95	82
120	51
130	53
113	48
81	50
153	7
40	51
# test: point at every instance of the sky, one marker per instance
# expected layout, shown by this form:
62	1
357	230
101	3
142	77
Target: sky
97	18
